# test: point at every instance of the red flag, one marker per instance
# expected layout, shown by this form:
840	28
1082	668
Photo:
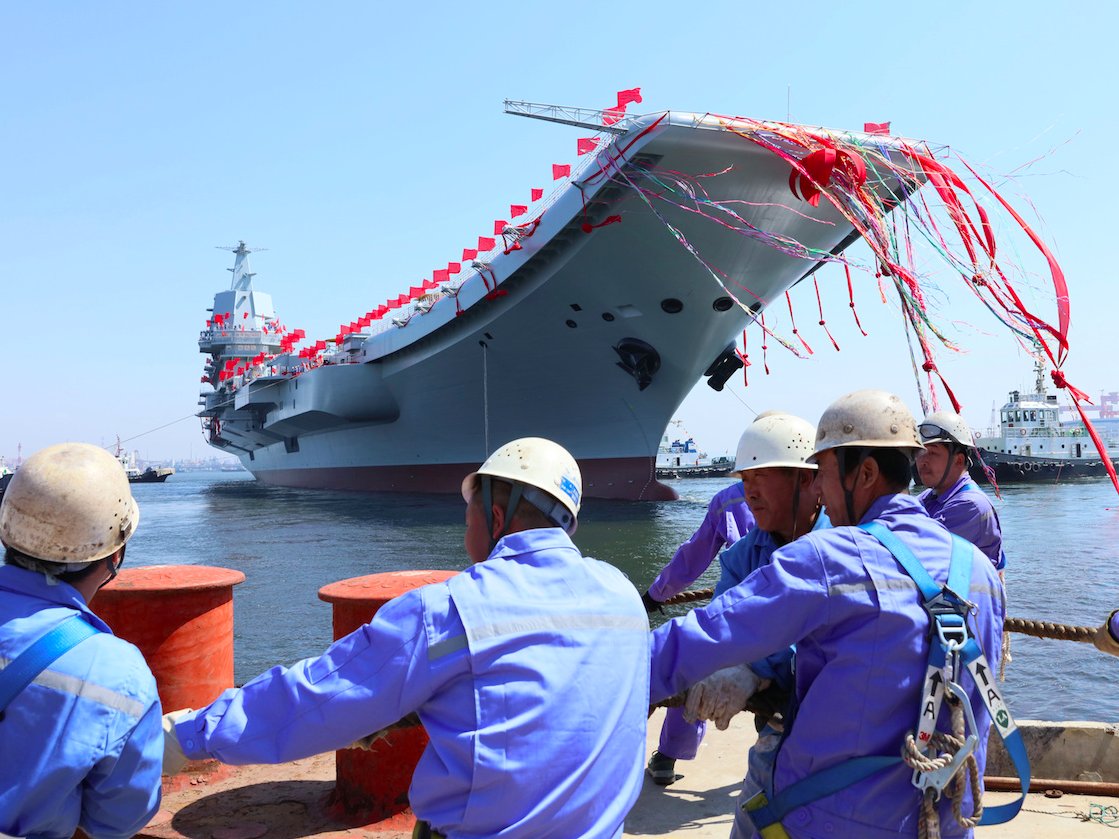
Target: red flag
485	243
627	96
561	170
613	115
585	145
517	210
402	299
876	128
537	194
429	284
415	291
441	275
454	267
469	253
498	226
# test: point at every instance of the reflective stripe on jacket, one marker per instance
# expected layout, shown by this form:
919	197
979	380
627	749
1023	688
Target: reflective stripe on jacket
529	672
82	745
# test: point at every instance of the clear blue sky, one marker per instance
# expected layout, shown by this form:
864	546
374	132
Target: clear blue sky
364	144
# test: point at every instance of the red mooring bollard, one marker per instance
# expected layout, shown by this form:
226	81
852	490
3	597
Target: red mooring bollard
181	618
374	783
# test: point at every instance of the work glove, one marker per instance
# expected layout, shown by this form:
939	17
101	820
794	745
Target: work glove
174	758
651	605
722	695
1106	642
366	742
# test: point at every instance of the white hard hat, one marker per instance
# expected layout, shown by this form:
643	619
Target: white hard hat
69	503
536	463
773	440
946	427
867	419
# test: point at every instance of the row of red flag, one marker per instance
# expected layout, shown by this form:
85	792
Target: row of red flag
485	244
584	145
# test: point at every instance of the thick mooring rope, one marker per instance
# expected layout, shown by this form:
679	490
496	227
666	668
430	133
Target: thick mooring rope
1025	626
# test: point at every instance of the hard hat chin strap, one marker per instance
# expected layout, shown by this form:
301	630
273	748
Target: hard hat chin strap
552	509
116	567
796	504
948	466
487	504
849	492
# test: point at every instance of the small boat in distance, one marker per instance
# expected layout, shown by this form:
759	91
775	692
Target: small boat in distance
150	475
681	459
1032	444
5	476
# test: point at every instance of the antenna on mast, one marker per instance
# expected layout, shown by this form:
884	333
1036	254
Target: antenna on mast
591	118
242	276
1039	368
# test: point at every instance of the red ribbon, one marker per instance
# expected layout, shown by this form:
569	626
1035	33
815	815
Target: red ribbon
820	306
930	367
789	300
851	297
587	227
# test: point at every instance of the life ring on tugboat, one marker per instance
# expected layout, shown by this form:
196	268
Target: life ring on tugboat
1021	432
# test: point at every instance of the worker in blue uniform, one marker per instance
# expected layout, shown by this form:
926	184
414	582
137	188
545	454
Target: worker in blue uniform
728	519
529	671
80	739
852	598
779	484
952	497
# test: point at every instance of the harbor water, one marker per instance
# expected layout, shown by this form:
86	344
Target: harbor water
1061	541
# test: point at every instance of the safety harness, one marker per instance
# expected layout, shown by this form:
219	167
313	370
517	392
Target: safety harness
22	670
952	643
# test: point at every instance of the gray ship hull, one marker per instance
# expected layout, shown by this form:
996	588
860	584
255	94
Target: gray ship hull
416	407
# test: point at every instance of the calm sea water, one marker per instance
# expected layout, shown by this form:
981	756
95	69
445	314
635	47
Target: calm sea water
1062	542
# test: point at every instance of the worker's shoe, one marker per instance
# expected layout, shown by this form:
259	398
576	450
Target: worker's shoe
662	769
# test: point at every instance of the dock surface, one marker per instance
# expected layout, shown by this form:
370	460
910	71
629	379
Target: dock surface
288	801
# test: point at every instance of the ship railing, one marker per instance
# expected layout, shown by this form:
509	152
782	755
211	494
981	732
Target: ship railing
227	334
546	203
1013	431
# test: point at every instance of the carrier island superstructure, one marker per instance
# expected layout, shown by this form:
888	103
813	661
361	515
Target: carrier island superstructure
587	333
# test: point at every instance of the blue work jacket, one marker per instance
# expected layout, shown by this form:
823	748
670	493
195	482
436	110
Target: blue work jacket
728	519
966	511
82	745
741	560
529	671
862	647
